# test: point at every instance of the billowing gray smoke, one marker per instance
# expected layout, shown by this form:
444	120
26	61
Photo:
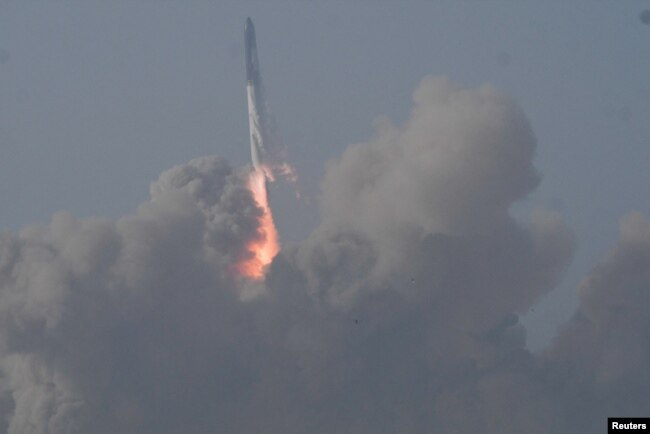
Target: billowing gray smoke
399	313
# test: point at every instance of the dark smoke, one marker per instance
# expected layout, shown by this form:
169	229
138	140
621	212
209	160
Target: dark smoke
644	16
399	313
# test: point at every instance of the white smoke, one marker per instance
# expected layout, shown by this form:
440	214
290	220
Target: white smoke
399	313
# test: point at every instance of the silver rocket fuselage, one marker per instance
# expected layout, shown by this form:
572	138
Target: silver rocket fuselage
255	98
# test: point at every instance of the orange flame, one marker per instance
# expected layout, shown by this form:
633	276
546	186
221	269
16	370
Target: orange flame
265	245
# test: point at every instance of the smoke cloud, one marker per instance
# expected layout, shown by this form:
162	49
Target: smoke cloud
399	313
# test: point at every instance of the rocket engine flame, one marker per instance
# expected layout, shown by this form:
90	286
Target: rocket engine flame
263	248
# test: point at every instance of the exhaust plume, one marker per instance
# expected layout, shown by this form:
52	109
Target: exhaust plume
265	245
399	313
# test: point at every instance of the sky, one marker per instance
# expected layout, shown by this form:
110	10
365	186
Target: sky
97	99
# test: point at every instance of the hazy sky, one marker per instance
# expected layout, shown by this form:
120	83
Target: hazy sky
96	99
435	214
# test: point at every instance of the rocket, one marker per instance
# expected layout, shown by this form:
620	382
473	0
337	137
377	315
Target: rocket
257	122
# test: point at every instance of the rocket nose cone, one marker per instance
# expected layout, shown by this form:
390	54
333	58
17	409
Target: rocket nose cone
249	24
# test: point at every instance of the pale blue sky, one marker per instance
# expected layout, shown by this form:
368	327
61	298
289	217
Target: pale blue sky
96	99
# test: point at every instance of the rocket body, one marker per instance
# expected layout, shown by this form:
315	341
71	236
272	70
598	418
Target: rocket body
255	129
256	105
